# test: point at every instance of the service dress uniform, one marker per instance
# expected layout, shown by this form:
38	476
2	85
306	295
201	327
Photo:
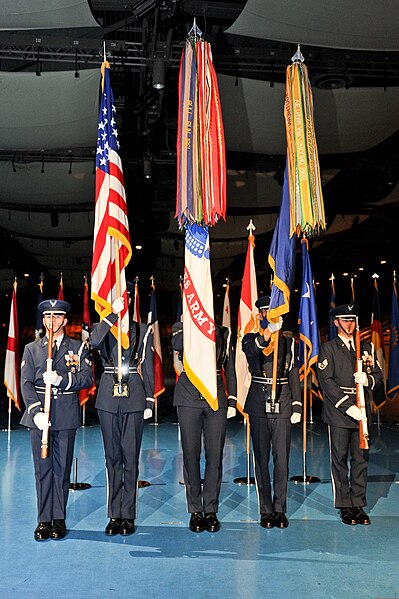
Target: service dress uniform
122	417
336	368
72	362
272	431
197	419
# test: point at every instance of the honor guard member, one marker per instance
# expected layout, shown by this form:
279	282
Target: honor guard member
121	411
270	421
71	372
197	419
337	378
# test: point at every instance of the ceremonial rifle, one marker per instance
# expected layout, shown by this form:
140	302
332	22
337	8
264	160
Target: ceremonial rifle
360	401
47	393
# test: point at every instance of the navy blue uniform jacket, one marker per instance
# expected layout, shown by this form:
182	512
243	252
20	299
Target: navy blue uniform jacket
141	384
72	362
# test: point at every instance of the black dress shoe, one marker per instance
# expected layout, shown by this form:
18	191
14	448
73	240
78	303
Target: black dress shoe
267	520
360	516
42	531
113	527
348	516
211	522
58	530
280	520
197	523
127	527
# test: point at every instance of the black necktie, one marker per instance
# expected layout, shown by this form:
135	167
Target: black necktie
352	347
54	353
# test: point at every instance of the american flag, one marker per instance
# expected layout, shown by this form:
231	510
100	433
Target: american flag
111	226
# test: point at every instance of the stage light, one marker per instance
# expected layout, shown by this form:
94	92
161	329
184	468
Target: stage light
147	168
158	73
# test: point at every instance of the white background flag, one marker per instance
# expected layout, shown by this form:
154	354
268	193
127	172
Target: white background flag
247	321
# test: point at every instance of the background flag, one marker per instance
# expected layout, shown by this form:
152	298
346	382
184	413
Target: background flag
308	330
199	353
282	259
111	221
39	315
377	335
247	321
61	289
226	318
332	329
159	385
136	301
177	364
393	369
84	394
11	367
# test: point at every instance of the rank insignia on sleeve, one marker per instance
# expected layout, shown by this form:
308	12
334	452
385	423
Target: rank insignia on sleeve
322	365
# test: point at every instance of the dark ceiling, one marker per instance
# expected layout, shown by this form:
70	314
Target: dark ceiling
138	32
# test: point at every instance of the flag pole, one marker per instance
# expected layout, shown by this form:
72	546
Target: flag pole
118	293
248	479
305	479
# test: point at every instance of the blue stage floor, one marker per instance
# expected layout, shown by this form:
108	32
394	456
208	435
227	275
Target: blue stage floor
315	557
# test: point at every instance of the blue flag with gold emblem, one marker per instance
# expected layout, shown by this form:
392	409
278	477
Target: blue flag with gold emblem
393	369
282	259
309	342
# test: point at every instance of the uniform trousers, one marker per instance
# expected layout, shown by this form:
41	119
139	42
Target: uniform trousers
52	474
349	491
195	423
271	433
122	434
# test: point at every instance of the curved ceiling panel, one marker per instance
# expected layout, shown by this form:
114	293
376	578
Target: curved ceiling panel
365	25
46	14
53	249
346	120
53	225
55	110
28	185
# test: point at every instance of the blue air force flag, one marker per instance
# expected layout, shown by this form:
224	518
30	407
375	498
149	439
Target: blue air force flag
308	331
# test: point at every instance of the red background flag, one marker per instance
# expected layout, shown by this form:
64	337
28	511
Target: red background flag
84	394
11	367
159	386
61	289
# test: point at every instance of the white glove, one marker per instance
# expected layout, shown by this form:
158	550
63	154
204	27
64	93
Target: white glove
354	412
52	378
295	417
147	413
231	412
117	305
361	378
40	419
275	326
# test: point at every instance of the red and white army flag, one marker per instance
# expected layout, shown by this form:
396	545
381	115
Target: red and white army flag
11	367
199	346
247	321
